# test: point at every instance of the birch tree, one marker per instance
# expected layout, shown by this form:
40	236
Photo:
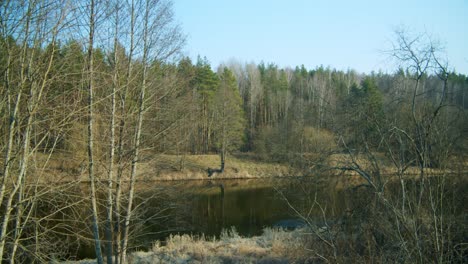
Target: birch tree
161	40
130	47
25	30
91	136
115	11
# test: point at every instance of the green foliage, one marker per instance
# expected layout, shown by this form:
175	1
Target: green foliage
280	108
283	103
267	145
364	114
372	99
231	123
317	140
206	81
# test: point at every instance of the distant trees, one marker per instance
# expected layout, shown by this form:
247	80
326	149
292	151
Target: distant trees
362	109
281	104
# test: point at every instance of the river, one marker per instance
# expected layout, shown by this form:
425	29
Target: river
208	207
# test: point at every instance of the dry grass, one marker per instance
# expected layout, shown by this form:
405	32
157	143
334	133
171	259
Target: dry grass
385	165
194	167
274	246
67	167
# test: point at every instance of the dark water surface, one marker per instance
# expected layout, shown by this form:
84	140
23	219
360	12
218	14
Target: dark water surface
208	207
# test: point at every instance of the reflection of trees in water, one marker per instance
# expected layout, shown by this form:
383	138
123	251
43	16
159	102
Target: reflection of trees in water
249	210
305	192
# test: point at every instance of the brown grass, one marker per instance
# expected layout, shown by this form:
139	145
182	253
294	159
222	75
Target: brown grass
273	246
67	167
194	167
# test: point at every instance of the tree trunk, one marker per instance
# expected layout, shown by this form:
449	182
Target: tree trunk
120	158
36	88
223	160
110	179
141	110
90	84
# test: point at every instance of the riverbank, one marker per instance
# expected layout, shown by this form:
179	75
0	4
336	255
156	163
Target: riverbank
162	167
195	167
273	246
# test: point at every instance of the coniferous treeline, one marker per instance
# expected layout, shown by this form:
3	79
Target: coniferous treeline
272	111
270	106
284	110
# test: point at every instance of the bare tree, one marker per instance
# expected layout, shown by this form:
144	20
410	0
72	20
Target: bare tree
161	40
411	144
255	94
122	126
419	55
141	108
110	179
90	91
30	33
26	21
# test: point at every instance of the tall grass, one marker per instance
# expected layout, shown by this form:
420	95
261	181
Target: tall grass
273	246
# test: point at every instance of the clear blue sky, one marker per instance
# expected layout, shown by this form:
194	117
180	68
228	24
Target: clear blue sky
340	34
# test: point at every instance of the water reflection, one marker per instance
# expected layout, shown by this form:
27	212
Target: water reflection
207	207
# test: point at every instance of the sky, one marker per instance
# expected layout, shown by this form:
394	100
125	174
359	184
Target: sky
351	34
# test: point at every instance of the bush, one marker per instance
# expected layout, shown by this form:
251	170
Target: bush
318	140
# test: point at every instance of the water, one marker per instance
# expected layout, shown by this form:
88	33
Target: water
208	207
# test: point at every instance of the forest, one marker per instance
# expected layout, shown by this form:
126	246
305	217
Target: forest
96	88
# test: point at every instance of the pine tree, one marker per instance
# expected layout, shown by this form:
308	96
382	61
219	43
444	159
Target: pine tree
206	83
230	119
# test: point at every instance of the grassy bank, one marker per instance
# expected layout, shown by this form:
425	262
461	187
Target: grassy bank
161	167
195	167
273	246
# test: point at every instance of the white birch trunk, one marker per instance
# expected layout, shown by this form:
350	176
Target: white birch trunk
137	137
118	189
95	220
110	176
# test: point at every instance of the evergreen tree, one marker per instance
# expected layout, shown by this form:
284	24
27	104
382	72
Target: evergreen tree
230	117
206	84
364	110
